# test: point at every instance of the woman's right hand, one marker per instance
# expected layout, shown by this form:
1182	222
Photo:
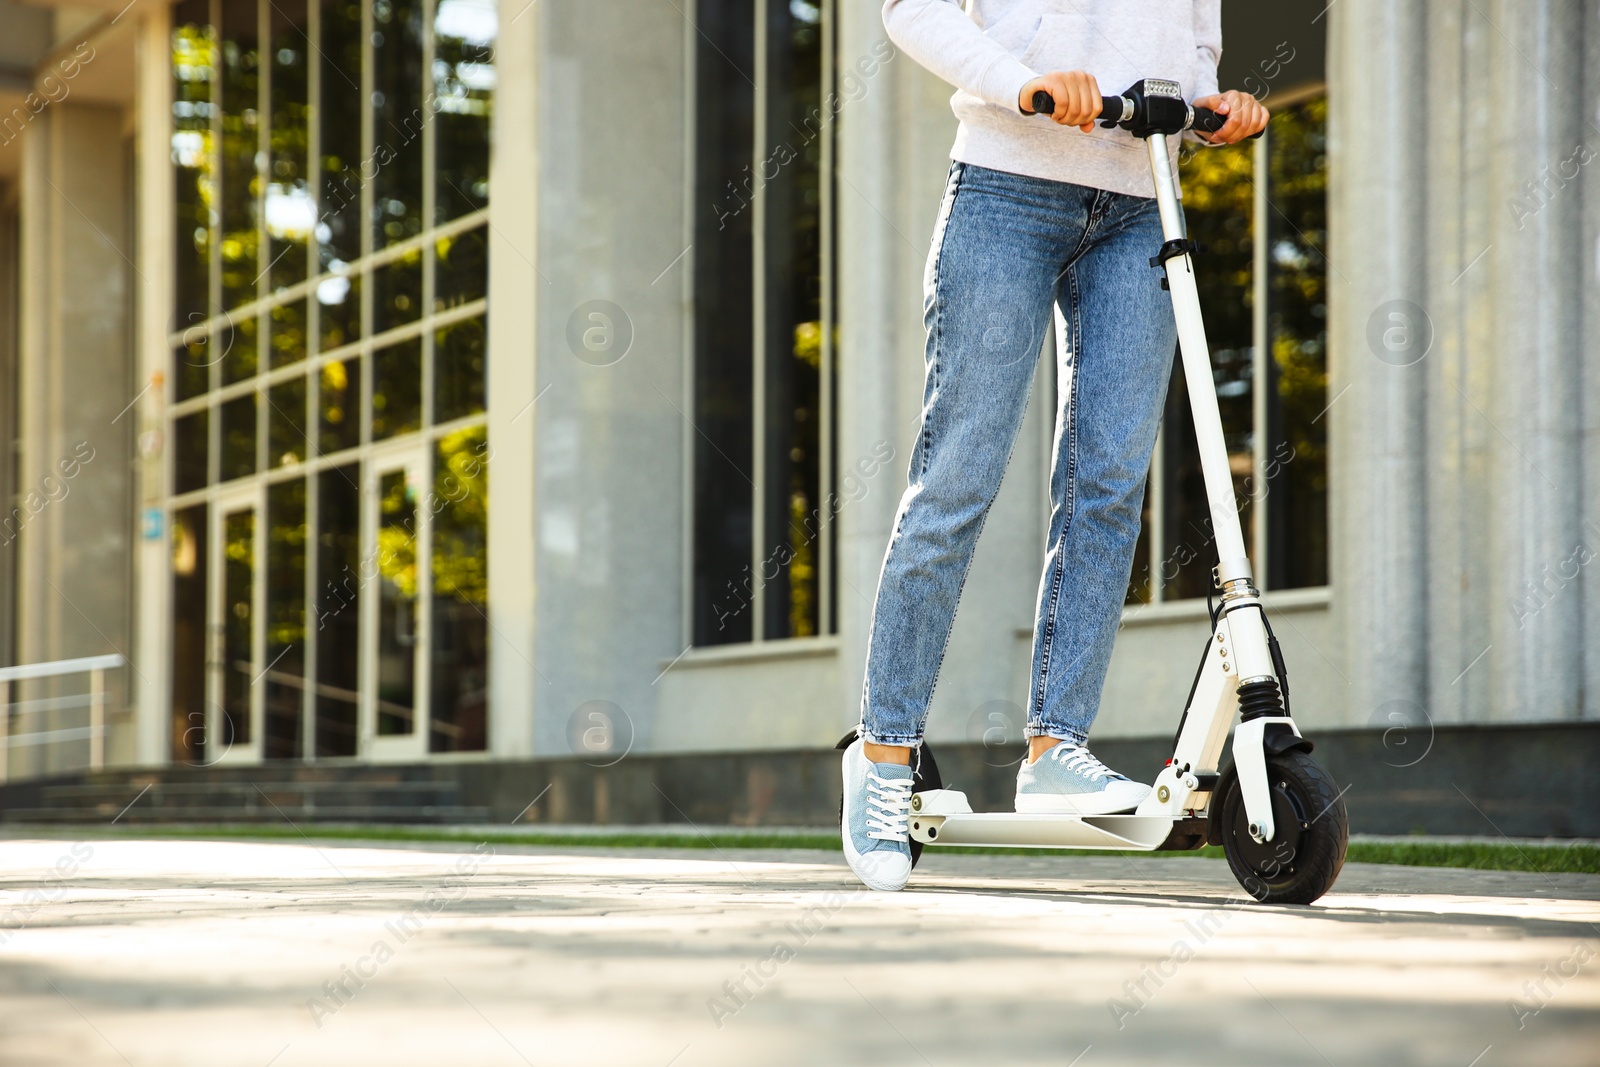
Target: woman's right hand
1076	93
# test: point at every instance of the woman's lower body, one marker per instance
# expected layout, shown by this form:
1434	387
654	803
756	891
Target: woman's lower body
1009	255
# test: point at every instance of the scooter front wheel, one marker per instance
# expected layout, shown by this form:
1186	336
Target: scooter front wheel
925	776
1312	831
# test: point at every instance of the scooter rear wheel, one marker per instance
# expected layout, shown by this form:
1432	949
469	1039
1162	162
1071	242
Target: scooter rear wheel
925	776
1312	832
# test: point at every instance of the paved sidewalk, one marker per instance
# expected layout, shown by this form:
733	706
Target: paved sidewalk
255	954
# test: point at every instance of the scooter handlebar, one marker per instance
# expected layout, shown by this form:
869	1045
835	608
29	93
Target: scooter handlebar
1045	104
1204	120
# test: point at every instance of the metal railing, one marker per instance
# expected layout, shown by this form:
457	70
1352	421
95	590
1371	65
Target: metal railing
95	667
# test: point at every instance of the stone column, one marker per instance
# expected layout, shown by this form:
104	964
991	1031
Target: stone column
75	559
872	336
1459	367
1378	55
514	686
1537	123
1589	262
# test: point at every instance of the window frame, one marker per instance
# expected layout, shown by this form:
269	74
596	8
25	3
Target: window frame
760	502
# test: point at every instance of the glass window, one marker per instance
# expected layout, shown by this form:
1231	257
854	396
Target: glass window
286	423
1296	469
284	678
193	82
458	369
287	323
397	292
762	557
311	182
339	308
1271	389
463	88
792	326
1218	197
460	631
339	425
337	610
238	437
191	365
290	209
191	447
237	349
238	609
397	603
240	77
461	271
397	389
339	212
189	634
398	120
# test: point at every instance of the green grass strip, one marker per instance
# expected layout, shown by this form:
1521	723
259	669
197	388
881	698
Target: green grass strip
1500	856
1482	856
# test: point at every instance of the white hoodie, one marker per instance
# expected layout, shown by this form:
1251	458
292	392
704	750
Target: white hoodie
990	50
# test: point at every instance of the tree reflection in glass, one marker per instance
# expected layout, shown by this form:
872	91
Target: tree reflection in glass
241	184
291	211
397	389
1218	201
459	646
239	437
339	421
286	423
238	665
194	177
284	678
1297	322
397	603
463	86
459	358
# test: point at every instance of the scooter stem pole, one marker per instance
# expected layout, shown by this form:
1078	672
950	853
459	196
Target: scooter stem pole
1233	564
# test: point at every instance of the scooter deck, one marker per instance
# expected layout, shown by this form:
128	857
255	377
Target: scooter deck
1134	832
937	819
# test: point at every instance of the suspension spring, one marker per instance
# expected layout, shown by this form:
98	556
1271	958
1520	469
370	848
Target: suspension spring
1259	698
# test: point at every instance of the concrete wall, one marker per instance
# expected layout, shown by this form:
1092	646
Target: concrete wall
74	548
609	490
1464	452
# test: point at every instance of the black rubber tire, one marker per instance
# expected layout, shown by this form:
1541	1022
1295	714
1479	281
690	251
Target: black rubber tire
925	776
1313	832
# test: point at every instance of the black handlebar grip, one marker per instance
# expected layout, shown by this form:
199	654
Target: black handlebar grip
1208	121
1111	108
1045	104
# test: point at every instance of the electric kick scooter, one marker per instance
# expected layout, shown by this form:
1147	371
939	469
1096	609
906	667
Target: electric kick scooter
1274	810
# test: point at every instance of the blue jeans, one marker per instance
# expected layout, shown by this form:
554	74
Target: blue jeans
1006	249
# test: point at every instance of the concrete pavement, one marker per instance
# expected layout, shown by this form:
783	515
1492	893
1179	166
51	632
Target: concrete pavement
290	954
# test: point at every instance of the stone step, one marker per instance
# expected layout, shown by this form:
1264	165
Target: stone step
263	813
92	791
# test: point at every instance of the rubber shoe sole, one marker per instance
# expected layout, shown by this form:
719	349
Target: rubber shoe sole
1116	798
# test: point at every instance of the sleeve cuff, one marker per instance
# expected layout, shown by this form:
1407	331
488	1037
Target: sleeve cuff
1002	84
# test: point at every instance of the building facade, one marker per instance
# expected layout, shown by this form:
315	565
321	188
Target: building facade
461	380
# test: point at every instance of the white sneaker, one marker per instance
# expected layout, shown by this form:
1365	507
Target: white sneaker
1068	780
877	803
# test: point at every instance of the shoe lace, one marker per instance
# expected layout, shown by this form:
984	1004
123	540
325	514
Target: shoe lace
1080	759
888	807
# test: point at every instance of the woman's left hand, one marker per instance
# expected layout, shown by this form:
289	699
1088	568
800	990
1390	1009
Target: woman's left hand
1246	115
